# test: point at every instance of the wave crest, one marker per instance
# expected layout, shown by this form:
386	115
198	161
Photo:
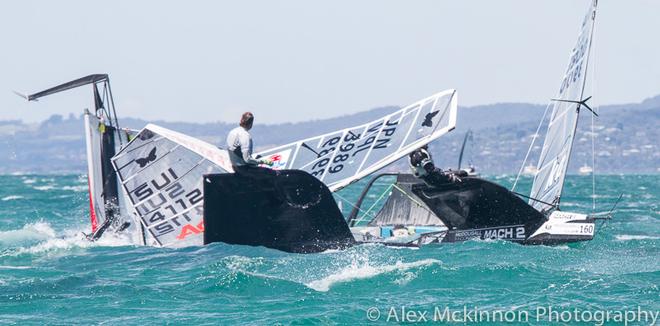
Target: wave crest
359	271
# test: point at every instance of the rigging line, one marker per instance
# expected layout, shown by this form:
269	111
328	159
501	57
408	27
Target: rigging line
609	215
413	199
114	110
375	203
534	199
529	150
105	100
352	205
593	134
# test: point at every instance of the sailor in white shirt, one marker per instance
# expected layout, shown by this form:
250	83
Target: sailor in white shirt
239	144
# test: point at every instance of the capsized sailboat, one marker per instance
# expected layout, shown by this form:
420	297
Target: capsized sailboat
292	209
149	184
168	189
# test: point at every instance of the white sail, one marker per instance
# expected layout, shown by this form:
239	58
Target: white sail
94	146
106	197
552	164
162	171
344	156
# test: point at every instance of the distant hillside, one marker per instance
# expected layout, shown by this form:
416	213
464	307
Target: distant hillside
626	138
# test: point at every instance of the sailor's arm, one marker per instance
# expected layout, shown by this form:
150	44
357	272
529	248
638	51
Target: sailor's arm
245	151
248	158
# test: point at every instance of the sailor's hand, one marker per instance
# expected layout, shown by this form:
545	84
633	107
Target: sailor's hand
454	178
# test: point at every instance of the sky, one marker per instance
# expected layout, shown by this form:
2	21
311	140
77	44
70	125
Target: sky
297	60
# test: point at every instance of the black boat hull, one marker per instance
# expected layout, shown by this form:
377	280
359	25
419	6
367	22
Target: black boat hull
288	210
292	211
473	209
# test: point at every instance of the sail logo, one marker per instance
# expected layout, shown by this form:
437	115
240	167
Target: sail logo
555	173
142	162
190	229
428	119
279	160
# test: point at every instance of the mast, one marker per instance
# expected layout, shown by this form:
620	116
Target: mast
468	135
103	138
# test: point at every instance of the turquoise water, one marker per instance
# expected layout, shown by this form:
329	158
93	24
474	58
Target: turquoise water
50	275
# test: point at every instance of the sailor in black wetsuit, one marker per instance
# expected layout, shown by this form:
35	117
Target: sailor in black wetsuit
422	167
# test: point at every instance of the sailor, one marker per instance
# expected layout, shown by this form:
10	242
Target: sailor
421	164
239	145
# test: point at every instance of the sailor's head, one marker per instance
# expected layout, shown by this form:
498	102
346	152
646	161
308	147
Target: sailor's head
246	120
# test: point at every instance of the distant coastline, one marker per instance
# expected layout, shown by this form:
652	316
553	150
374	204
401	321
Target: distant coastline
626	138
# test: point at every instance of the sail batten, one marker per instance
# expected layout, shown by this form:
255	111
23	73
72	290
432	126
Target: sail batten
341	157
560	135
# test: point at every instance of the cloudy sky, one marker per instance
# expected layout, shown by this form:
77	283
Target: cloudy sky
300	60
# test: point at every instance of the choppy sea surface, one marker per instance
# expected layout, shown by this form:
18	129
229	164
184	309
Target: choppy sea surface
50	275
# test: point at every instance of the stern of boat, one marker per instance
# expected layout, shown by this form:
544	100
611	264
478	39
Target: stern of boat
562	227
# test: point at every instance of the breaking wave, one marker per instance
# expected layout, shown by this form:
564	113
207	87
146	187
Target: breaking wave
75	188
12	197
31	232
44	188
358	271
631	237
40	237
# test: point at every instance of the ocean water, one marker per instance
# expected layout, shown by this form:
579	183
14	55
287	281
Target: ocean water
50	275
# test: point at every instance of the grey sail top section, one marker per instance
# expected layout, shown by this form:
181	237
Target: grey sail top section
404	207
162	172
553	162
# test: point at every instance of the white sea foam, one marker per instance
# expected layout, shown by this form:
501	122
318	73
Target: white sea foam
44	188
629	237
75	239
13	197
80	188
31	232
364	271
40	237
13	267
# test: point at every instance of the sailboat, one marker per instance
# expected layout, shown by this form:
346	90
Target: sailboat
164	188
418	213
585	169
470	170
412	212
153	185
